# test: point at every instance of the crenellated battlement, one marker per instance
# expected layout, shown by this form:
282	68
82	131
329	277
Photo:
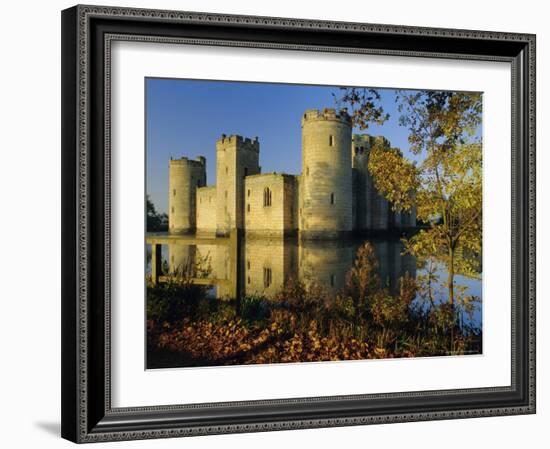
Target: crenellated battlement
240	141
199	162
327	114
362	143
334	195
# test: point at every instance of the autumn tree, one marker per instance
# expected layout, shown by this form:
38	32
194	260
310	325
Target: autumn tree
445	186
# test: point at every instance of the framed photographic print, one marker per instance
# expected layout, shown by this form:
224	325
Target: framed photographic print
283	223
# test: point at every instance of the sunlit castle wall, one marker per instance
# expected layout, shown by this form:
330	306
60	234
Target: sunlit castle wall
206	210
325	263
236	158
268	265
326	187
185	176
181	259
269	204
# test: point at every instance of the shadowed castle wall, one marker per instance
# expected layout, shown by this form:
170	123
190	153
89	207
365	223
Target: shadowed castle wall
185	175
270	204
372	208
408	219
236	158
326	189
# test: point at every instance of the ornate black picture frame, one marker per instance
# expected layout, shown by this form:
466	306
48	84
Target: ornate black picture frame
87	413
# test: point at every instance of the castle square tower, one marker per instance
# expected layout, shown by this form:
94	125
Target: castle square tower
236	158
326	185
185	176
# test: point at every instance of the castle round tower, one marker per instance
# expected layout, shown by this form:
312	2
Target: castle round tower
326	187
184	177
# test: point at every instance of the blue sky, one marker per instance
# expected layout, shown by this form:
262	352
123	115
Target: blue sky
186	117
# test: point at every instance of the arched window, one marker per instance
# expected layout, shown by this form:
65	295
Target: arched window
267	197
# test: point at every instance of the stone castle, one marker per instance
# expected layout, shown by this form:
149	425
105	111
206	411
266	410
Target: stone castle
332	197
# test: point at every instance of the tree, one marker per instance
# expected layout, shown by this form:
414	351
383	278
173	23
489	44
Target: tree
445	187
364	104
154	219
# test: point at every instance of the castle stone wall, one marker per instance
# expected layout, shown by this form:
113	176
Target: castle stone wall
326	191
269	204
206	210
334	194
325	263
372	208
268	265
185	175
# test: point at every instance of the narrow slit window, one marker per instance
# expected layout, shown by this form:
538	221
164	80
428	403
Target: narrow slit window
267	277
332	198
267	197
331	140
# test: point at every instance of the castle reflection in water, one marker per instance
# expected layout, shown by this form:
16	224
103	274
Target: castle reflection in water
259	266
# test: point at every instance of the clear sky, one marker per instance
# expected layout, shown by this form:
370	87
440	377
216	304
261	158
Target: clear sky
186	117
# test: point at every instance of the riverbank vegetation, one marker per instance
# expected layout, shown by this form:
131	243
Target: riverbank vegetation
304	323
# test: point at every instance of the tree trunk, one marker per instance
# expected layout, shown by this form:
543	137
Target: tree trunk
450	286
451	279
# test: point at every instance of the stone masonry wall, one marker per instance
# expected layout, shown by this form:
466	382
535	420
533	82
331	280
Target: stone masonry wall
206	210
326	191
185	175
236	157
277	217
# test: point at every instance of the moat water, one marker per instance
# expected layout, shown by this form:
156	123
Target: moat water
261	266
